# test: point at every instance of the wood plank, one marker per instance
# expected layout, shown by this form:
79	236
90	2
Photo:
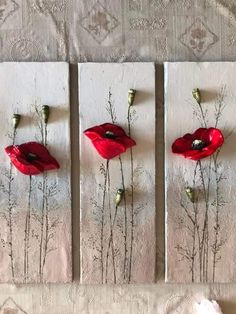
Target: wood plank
35	211
118	244
200	237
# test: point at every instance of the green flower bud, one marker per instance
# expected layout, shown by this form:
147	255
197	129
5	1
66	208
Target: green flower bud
16	120
119	196
190	193
131	96
45	113
197	95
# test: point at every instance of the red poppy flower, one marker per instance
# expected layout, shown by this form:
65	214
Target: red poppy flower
202	143
31	158
110	140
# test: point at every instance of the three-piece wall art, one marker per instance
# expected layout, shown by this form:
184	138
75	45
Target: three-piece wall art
117	135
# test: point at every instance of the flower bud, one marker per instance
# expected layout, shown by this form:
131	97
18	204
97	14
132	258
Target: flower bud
131	96
190	193
45	113
119	196
197	95
16	120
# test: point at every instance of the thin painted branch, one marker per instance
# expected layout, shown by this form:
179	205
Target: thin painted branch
103	222
111	111
203	115
126	221
194	225
111	239
42	231
43	220
132	198
205	238
46	222
207	227
27	233
216	245
10	208
217	225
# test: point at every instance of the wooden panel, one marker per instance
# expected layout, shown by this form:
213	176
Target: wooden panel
200	195
118	244
35	210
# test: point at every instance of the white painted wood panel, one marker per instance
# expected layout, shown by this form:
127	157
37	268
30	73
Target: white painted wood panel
103	88
35	211
200	237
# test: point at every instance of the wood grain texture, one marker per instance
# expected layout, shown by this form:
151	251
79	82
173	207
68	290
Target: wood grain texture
118	243
200	242
35	211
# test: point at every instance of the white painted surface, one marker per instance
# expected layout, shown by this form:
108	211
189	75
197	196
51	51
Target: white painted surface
22	87
216	82
95	81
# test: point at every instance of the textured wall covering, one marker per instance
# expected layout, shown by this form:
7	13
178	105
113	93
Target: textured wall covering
116	30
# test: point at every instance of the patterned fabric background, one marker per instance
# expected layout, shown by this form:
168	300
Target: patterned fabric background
116	31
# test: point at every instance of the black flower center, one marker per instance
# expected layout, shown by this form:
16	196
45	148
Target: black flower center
198	144
109	134
31	157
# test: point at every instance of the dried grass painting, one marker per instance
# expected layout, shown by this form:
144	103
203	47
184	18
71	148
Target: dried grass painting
200	192
118	194
35	206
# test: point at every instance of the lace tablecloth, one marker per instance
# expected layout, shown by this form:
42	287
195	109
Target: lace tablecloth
116	31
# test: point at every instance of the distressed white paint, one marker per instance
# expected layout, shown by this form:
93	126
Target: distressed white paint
22	87
216	82
95	81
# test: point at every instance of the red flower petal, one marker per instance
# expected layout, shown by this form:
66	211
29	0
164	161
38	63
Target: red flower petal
116	129
94	133
43	161
127	141
99	131
216	137
182	144
109	148
212	137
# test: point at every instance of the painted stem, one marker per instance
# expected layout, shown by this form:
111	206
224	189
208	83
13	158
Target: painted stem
27	233
204	224
203	116
215	246
199	240
132	198
46	208
194	225
42	233
113	224
10	207
110	241
124	189
205	231
217	226
103	221
204	247
126	220
46	214
43	130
